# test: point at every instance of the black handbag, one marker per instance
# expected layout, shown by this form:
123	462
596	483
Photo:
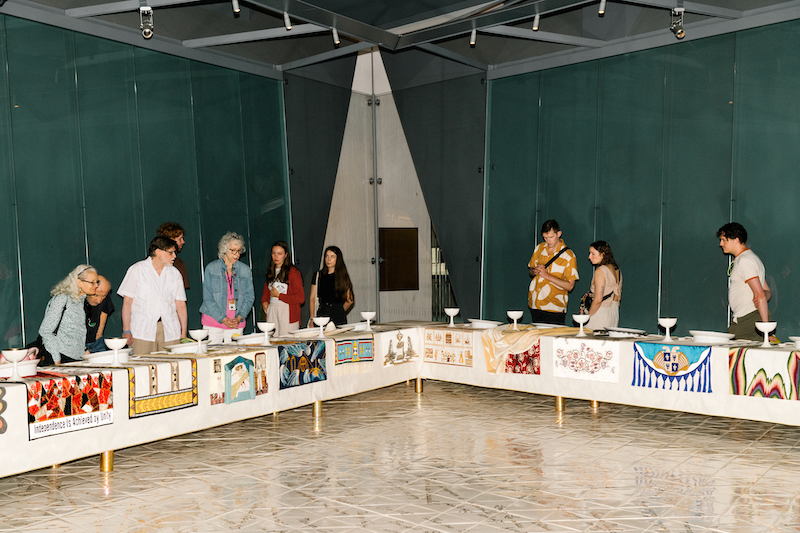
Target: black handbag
586	302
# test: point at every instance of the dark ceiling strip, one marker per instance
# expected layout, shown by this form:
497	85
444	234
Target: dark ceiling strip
121	7
326	56
493	18
453	56
249	36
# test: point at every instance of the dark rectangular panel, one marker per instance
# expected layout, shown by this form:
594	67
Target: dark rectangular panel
513	150
766	159
220	156
399	256
697	165
10	306
568	164
41	71
264	146
629	184
110	157
169	177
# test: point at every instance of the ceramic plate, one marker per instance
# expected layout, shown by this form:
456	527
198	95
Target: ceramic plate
187	347
484	324
108	356
710	337
541	325
26	369
253	338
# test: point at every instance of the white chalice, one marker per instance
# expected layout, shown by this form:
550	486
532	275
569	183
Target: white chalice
581	319
514	315
765	328
198	335
451	312
321	321
116	343
266	327
368	315
15	356
667	323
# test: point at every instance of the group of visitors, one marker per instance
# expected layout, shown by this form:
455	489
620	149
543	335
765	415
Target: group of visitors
153	290
553	268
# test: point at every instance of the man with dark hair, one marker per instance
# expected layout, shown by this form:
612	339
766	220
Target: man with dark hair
98	307
554	269
748	293
174	231
154	301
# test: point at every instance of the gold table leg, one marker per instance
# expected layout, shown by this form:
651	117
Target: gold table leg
317	409
107	461
418	386
595	405
559	404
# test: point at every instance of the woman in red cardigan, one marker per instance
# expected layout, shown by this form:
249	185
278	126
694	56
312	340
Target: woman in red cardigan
283	291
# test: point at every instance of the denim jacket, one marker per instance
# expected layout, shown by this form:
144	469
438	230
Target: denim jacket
215	290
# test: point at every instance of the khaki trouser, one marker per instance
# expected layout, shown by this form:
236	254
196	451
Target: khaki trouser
141	347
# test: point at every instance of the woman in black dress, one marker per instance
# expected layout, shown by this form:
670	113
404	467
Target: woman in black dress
331	289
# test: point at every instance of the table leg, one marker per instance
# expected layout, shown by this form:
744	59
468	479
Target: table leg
418	386
107	461
317	409
560	404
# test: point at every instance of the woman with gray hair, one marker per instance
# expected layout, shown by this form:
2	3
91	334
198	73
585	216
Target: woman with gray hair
228	293
62	334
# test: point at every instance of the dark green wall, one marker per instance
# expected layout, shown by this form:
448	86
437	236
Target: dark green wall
652	151
101	142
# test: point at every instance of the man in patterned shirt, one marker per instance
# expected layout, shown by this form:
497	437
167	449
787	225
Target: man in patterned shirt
554	270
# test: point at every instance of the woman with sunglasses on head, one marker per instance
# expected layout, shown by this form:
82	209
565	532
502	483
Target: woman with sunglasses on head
331	289
62	334
283	291
228	293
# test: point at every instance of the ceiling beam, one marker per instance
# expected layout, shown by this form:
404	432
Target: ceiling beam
560	38
453	56
326	56
346	26
497	17
121	7
691	7
248	36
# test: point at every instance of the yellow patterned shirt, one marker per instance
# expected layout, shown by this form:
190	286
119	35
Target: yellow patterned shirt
544	295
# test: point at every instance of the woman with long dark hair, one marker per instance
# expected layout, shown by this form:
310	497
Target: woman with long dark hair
606	287
331	289
283	292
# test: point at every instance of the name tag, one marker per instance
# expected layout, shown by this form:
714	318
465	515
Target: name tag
231	305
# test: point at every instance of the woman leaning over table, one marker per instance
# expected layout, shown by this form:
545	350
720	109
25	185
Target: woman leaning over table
63	329
283	291
331	289
606	283
228	293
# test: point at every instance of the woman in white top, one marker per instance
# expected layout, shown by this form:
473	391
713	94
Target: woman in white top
606	287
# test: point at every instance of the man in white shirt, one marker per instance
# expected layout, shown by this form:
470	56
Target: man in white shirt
154	301
748	292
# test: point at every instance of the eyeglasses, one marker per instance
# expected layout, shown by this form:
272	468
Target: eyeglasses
235	252
95	282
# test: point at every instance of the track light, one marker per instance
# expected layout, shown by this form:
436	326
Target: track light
336	40
236	8
287	21
472	37
146	21
536	22
676	26
602	10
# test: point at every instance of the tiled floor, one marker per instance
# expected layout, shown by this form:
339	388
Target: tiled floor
455	458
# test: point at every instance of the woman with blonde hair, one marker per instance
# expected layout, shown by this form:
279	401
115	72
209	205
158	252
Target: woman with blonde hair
62	334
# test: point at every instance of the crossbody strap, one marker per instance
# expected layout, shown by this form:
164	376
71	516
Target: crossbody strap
561	251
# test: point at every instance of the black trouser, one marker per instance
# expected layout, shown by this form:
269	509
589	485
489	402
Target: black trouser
335	311
548	317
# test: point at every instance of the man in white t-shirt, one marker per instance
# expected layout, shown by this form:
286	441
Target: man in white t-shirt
154	301
748	293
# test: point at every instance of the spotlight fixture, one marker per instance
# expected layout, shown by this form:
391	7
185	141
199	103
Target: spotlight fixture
236	8
287	21
472	37
336	39
602	10
536	22
146	21
676	26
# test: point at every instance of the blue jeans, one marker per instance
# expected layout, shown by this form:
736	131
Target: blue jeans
97	346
